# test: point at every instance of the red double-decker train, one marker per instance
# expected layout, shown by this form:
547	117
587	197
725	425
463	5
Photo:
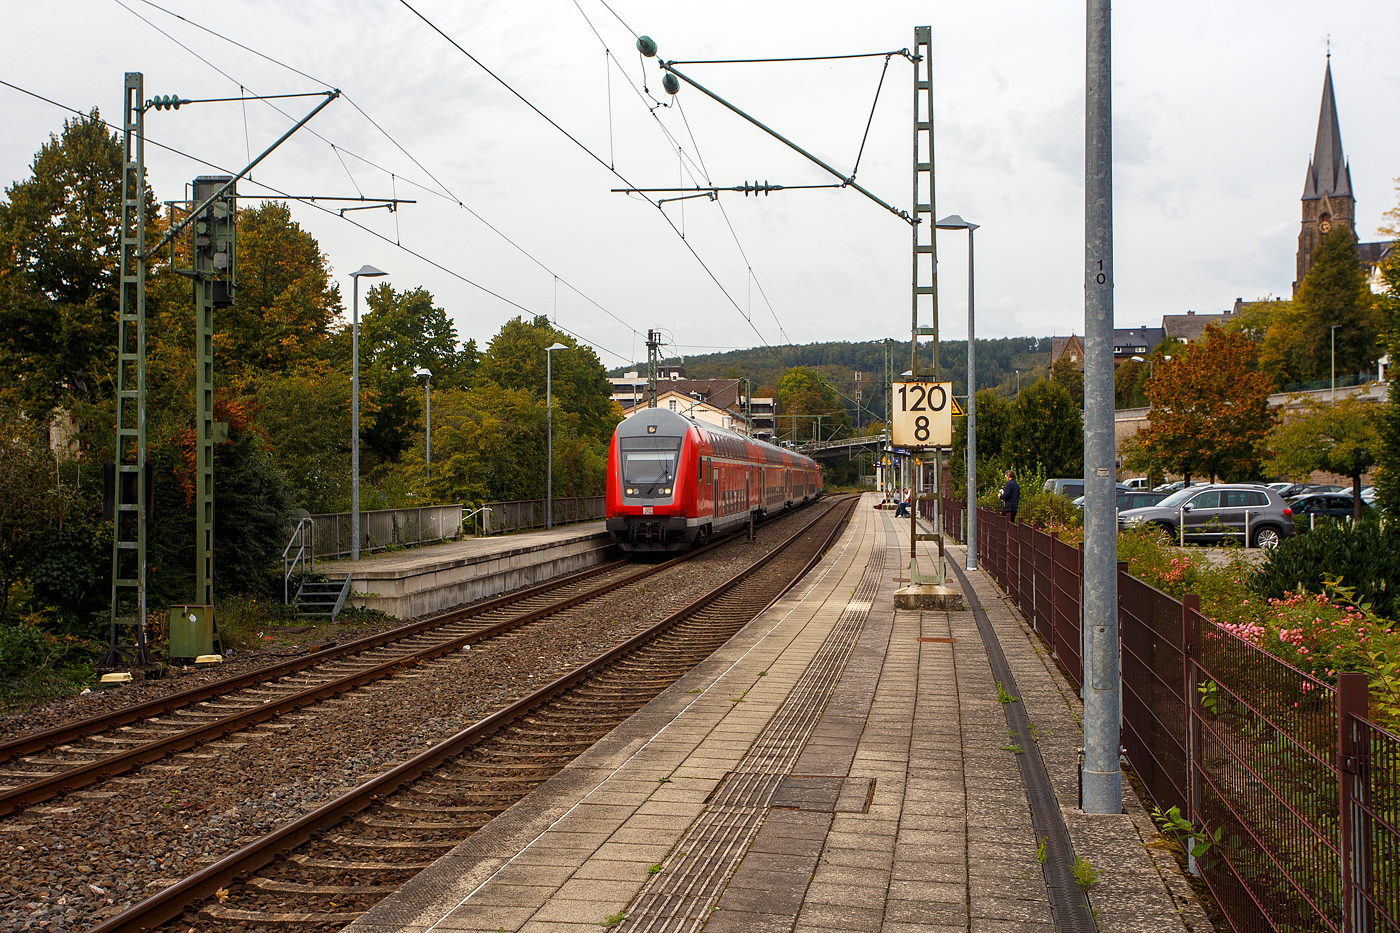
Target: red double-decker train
674	481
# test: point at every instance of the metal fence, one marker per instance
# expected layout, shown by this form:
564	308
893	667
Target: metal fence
383	528
529	513
1289	772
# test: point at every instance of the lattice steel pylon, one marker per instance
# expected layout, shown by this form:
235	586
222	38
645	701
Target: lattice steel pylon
214	252
925	272
130	494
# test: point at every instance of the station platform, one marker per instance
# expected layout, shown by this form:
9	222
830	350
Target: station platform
425	580
838	765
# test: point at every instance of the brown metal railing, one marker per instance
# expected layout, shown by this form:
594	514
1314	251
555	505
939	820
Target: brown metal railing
1295	787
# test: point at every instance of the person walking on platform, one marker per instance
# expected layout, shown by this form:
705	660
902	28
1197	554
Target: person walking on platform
1010	496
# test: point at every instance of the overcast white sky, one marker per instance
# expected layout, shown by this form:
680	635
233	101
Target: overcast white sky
1216	109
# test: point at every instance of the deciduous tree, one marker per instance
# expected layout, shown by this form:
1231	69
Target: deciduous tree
1210	409
515	360
59	265
286	304
1045	430
805	400
1338	437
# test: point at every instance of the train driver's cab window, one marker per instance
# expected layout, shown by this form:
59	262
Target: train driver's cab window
649	464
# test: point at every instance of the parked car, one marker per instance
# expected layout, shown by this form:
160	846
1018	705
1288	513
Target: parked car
1074	488
1368	495
1131	499
1179	484
1237	512
1325	505
1306	489
1138	483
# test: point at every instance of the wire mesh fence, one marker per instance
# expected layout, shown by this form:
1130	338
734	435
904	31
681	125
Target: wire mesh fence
1295	789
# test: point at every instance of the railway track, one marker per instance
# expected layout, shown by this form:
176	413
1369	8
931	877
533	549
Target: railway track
39	767
326	868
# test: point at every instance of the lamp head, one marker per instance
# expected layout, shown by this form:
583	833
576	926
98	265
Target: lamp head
367	271
557	346
1138	359
420	371
955	222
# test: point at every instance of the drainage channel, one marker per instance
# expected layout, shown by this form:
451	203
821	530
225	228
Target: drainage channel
1068	903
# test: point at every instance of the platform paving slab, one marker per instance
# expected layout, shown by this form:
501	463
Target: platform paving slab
941	840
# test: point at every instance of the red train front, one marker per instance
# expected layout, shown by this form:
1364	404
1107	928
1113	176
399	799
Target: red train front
674	481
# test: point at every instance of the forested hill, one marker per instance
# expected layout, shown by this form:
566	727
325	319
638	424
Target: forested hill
998	361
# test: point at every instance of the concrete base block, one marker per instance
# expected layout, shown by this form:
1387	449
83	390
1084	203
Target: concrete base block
928	596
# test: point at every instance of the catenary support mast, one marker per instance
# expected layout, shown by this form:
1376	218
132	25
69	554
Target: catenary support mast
129	492
1102	779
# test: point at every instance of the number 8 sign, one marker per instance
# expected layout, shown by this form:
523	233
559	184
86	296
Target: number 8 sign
923	414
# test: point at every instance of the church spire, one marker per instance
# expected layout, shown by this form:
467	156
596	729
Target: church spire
1328	173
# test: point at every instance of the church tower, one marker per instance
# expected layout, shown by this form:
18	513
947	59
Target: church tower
1327	198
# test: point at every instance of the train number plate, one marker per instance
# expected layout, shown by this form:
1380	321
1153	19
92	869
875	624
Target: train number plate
647	510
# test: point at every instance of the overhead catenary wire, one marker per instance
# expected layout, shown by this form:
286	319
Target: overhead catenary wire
394	177
704	173
593	155
375	233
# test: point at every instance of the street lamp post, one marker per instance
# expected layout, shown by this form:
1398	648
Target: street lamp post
549	435
955	222
428	418
1334	361
370	272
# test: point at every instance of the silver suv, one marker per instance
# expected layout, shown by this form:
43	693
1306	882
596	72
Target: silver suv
1211	514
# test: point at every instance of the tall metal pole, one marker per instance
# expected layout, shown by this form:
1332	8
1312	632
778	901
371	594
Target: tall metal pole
428	417
371	272
1102	779
971	504
1334	361
549	433
549	440
128	605
213	255
355	419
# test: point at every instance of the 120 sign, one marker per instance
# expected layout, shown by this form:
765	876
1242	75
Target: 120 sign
923	414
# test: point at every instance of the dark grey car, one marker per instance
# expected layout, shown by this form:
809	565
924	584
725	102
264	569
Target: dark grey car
1215	514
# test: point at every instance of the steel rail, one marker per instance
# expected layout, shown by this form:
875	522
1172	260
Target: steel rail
46	787
70	732
173	900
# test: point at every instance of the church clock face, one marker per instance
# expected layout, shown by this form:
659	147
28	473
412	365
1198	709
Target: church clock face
1324	223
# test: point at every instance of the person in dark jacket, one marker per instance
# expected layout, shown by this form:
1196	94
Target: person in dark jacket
1010	496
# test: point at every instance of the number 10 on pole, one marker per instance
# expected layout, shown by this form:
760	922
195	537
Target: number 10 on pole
923	414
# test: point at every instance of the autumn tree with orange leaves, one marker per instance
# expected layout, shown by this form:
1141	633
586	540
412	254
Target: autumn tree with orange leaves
1210	409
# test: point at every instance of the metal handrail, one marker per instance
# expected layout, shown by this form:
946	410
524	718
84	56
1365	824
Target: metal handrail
340	601
473	513
306	553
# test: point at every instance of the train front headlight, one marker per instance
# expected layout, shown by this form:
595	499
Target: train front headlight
666	491
631	492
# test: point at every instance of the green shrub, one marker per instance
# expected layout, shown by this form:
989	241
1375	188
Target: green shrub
1360	556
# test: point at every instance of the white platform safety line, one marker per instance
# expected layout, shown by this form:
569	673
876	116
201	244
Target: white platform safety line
849	540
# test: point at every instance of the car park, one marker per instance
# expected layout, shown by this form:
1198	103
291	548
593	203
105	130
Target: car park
1307	509
1307	489
1239	513
1074	488
1179	484
1131	499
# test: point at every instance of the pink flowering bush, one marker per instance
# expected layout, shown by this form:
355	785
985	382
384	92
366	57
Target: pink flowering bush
1318	633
